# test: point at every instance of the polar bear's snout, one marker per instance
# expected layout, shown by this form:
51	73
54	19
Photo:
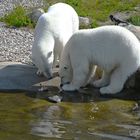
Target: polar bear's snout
63	81
62	84
48	73
65	75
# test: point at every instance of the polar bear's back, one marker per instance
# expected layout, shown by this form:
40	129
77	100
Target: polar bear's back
61	21
65	17
105	38
107	45
65	8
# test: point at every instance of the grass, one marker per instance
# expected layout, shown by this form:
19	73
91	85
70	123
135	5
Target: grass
135	20
97	10
17	18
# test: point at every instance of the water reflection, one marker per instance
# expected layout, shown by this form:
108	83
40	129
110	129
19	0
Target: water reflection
81	121
64	121
48	125
23	117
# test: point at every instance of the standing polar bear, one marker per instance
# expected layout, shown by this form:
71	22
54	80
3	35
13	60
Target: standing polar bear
115	49
52	32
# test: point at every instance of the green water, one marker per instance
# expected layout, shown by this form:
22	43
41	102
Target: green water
26	118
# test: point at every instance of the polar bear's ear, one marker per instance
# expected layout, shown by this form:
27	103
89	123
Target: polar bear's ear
49	54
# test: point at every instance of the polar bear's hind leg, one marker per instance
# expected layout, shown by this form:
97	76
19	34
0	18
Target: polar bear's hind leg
104	81
117	80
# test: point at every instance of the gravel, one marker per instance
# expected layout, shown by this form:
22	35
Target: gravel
16	43
7	5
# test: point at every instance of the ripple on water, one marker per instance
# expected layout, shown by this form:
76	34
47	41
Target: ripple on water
25	117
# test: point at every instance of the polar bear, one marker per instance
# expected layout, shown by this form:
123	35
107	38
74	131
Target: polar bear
52	31
114	49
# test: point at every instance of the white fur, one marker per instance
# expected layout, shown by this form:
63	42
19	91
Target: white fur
52	31
115	49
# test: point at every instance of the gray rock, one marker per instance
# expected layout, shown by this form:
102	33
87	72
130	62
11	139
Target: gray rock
84	21
18	77
123	15
35	14
121	22
134	29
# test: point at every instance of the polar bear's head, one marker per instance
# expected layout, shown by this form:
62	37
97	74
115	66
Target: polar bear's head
44	63
65	70
65	74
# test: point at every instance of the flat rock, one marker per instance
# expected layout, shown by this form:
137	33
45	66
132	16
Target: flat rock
18	77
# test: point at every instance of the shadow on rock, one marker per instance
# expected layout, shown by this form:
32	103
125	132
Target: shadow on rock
83	96
15	77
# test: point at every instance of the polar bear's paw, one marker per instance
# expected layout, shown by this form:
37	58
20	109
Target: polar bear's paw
99	83
108	90
69	87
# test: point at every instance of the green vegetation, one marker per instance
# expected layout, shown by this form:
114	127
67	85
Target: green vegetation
135	20
17	18
97	10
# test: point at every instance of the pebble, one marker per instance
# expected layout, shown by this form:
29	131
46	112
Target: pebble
55	99
16	43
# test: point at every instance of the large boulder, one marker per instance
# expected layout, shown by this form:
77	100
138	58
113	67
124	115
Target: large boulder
35	14
18	77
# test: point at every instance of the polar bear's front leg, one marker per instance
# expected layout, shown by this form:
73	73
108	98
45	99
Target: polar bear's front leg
69	87
79	79
91	75
55	60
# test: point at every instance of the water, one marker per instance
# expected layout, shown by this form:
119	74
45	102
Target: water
24	117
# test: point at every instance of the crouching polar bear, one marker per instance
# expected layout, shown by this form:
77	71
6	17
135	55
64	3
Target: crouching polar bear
52	31
115	49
